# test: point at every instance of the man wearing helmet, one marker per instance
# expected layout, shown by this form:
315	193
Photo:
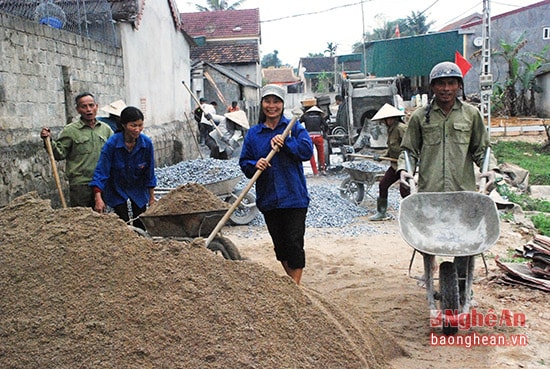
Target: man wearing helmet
445	138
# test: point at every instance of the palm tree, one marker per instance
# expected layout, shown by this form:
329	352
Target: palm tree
213	5
417	25
331	48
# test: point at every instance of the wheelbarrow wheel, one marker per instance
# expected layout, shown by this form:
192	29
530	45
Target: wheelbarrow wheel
230	248
246	211
352	190
448	285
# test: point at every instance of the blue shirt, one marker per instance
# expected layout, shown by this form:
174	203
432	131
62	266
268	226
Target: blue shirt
123	175
283	184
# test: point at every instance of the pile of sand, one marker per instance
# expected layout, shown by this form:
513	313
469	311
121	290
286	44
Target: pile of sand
80	289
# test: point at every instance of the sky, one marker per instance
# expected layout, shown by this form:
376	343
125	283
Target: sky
296	28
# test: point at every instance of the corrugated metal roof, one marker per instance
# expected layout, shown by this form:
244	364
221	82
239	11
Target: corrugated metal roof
385	57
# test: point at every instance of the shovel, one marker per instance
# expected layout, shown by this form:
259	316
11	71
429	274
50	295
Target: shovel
48	144
243	193
387	158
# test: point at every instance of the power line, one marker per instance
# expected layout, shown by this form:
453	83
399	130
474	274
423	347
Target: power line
312	13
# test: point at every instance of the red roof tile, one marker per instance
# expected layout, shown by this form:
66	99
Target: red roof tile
222	23
227	52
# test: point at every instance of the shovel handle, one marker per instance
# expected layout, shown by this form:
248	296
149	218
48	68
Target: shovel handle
199	104
247	188
387	158
48	144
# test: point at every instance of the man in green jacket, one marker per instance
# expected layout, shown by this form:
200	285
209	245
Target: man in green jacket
445	138
80	144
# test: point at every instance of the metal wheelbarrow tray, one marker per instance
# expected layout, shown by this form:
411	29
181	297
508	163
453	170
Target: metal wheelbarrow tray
362	175
198	224
449	223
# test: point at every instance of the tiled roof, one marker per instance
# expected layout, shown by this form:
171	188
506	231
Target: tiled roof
318	64
279	75
456	25
223	24
232	74
224	52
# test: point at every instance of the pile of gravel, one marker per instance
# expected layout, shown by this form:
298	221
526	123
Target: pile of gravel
326	210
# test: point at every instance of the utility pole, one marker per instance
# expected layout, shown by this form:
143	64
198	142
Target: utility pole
486	78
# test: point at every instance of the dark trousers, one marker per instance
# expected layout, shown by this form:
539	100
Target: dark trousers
390	177
123	212
81	195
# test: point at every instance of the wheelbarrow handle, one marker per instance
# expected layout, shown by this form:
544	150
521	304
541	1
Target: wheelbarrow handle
409	168
484	169
247	188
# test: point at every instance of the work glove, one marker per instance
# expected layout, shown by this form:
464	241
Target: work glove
376	157
405	178
233	143
208	116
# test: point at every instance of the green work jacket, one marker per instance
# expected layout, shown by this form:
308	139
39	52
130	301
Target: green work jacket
396	132
80	145
446	148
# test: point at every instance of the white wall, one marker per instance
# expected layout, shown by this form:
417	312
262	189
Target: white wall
156	60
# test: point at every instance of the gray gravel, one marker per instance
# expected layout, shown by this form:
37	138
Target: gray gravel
327	209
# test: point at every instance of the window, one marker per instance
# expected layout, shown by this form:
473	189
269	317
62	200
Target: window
546	33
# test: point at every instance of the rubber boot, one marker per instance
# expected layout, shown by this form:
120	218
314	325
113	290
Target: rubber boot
381	207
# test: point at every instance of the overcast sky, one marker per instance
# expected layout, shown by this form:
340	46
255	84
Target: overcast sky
296	28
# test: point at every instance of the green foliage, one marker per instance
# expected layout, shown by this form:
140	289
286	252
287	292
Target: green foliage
331	48
213	5
542	223
528	156
271	60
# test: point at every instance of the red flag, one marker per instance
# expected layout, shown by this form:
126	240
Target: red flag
397	33
462	63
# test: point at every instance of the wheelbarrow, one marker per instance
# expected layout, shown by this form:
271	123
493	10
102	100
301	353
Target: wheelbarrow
461	225
187	226
361	176
225	190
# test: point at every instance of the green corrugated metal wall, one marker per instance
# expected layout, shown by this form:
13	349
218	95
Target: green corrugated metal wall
412	56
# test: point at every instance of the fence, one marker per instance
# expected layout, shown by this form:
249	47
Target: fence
88	18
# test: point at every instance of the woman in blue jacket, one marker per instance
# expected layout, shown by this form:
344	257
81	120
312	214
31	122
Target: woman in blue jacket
281	191
126	169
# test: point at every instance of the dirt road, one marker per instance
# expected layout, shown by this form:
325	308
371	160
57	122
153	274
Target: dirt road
368	275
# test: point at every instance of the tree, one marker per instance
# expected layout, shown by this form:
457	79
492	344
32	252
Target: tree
416	24
315	55
213	5
271	60
331	48
520	74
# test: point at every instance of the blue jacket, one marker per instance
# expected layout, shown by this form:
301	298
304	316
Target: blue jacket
123	175
283	185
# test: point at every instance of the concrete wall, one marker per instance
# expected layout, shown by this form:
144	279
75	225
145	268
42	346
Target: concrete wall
42	69
509	28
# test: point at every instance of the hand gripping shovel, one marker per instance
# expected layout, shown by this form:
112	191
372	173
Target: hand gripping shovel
243	193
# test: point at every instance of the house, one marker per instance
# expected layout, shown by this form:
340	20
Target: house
385	58
283	76
224	85
230	38
227	40
318	74
46	66
531	21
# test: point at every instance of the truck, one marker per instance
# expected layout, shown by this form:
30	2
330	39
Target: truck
365	96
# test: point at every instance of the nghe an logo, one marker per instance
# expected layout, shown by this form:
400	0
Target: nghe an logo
474	318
